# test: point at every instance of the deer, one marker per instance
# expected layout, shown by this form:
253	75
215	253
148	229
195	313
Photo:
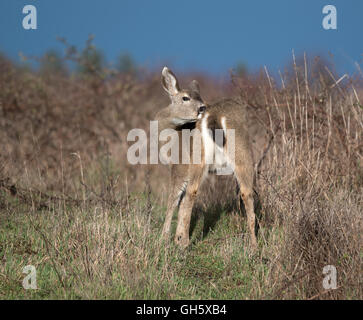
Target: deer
187	110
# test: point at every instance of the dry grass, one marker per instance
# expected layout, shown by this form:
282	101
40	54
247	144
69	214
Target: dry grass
71	205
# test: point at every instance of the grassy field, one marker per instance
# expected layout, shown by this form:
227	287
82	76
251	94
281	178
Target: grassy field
90	222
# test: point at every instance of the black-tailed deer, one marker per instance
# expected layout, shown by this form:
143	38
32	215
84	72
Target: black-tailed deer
188	110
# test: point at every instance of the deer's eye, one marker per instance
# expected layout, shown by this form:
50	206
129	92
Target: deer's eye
186	98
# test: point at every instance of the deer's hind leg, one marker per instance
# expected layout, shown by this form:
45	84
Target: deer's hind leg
244	174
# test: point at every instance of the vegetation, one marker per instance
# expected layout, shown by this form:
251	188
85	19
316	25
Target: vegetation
72	206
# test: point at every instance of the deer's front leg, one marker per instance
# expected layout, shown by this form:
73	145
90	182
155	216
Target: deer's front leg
175	196
186	206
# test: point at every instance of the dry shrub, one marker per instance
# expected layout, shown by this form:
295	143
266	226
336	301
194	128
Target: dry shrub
311	186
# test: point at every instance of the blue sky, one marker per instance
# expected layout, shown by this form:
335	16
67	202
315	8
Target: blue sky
200	35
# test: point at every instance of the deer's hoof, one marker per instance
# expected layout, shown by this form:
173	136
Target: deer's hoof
182	241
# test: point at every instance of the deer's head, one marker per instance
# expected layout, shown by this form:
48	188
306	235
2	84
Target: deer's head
186	104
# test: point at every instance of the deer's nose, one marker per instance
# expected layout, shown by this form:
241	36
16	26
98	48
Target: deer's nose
202	109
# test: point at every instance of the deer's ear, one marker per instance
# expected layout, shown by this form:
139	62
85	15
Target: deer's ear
194	86
169	82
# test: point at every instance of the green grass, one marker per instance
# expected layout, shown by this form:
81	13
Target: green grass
99	253
105	252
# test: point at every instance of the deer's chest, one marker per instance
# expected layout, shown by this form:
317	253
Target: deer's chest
213	145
